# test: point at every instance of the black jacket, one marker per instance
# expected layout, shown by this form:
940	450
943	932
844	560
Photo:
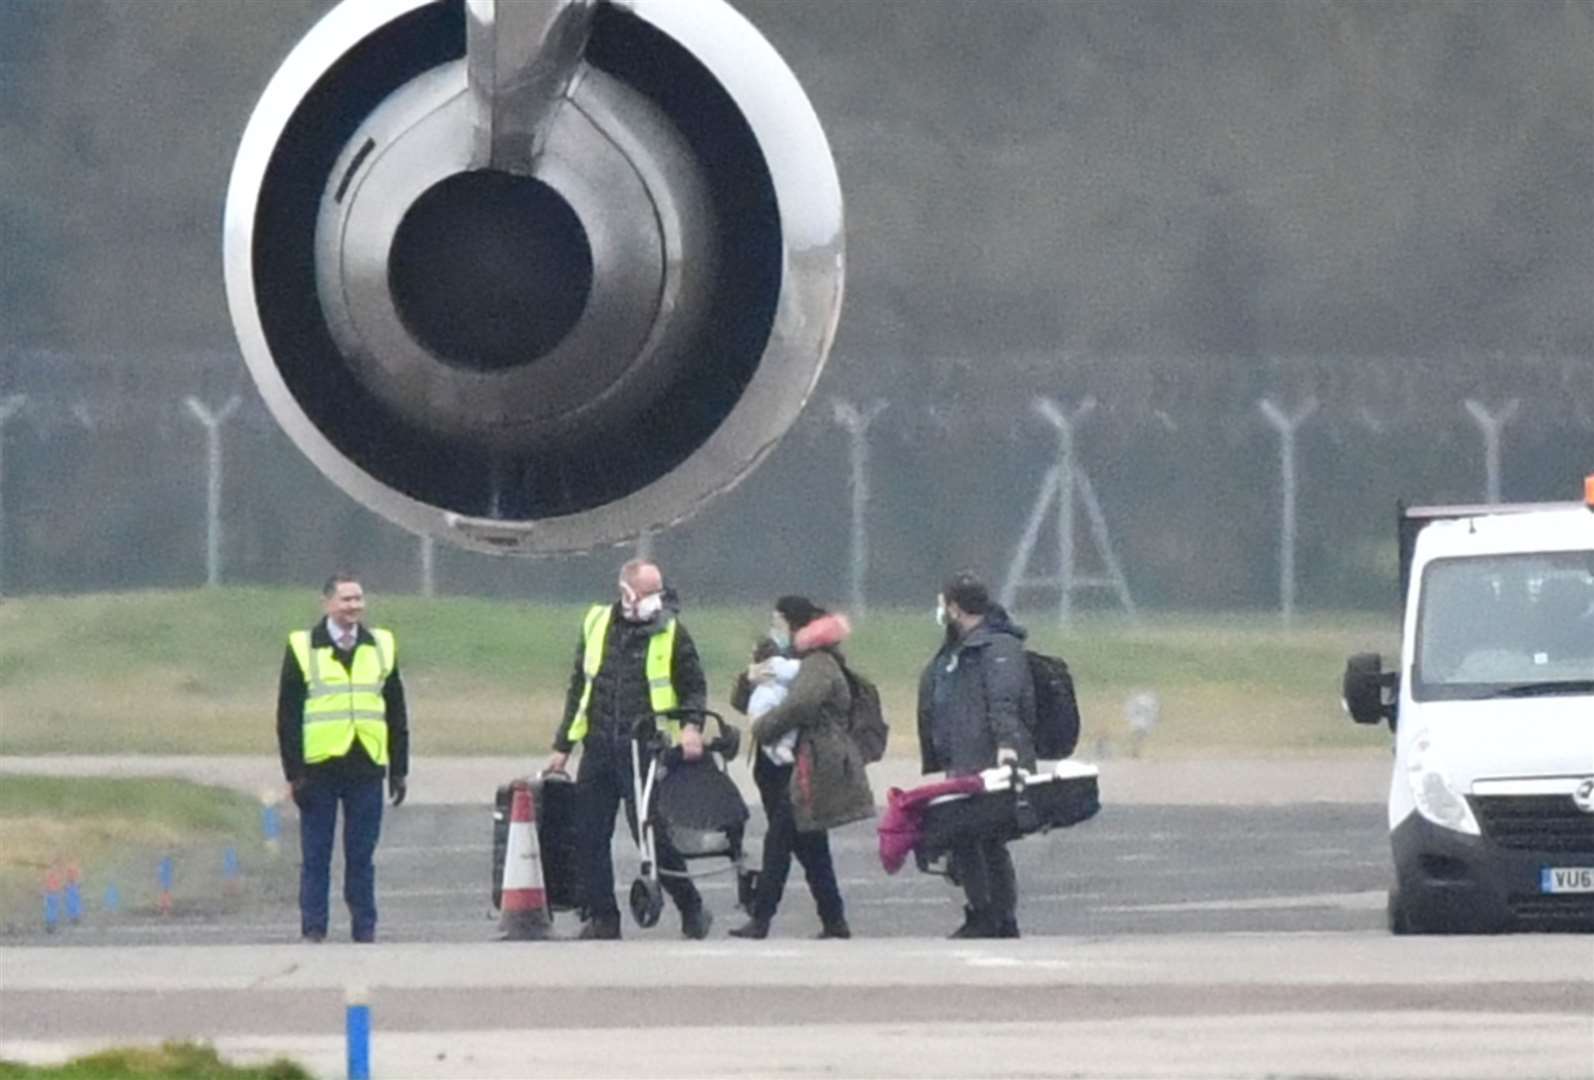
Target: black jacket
356	763
975	696
620	692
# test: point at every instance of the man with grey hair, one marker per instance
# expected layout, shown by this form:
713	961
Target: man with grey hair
634	660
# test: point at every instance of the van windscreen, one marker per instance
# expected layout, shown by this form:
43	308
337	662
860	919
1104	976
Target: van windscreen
1505	626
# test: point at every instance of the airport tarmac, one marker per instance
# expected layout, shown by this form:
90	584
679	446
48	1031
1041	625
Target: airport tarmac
1318	1005
1229	930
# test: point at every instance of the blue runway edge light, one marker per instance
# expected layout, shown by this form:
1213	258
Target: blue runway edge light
358	1027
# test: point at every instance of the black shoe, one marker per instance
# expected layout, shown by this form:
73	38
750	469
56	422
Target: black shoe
695	924
601	928
1008	928
976	924
753	930
837	929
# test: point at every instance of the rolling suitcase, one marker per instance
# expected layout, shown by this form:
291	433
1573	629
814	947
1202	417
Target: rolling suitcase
558	821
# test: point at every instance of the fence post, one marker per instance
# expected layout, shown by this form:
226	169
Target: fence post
1287	425
213	422
10	405
857	422
1065	423
1491	426
428	566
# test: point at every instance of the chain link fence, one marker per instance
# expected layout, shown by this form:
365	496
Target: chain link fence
1214	483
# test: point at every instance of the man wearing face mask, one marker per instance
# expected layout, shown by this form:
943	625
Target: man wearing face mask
976	710
635	659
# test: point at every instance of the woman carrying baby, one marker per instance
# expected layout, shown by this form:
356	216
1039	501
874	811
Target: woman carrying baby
810	783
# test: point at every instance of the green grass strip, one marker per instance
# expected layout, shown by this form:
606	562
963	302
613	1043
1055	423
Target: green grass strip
170	1061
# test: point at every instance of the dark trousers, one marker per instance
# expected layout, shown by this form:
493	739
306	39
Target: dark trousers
985	869
362	824
782	841
602	784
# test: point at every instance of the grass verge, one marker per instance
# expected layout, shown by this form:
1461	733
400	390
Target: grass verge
114	832
170	1061
195	672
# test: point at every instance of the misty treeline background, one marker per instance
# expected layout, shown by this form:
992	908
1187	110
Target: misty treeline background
1176	208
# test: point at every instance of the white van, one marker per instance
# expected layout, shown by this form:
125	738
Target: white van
1491	807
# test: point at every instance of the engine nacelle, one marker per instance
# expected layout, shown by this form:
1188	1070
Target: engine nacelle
534	275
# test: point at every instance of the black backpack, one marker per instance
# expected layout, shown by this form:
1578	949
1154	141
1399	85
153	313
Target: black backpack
1056	709
866	720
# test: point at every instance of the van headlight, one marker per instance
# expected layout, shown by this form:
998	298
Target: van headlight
1436	799
1438	802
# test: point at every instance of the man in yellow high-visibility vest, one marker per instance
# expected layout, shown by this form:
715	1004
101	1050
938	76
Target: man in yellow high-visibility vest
635	659
341	726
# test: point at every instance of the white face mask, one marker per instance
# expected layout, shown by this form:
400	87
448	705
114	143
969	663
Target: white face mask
648	606
940	611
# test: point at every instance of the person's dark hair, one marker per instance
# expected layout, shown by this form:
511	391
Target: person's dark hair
342	577
967	592
798	611
765	649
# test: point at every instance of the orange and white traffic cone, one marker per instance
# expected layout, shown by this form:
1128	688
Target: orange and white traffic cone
524	906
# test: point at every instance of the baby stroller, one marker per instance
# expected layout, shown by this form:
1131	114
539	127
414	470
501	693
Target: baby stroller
692	803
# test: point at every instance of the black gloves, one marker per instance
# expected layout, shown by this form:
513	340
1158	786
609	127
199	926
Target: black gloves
396	788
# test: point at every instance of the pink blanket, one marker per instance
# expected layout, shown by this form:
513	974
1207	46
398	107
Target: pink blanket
902	824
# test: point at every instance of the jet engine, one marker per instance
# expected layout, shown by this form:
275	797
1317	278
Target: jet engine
534	275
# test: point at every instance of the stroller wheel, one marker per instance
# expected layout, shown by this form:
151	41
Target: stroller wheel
647	902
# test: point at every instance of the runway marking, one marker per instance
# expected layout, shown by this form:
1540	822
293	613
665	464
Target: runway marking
1029	898
1359	901
1016	962
744	952
286	926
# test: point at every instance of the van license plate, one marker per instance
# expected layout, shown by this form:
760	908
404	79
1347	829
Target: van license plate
1566	879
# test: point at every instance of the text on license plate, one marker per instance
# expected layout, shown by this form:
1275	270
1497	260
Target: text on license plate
1568	879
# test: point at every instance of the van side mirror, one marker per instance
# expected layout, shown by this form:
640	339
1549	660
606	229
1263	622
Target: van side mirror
1369	693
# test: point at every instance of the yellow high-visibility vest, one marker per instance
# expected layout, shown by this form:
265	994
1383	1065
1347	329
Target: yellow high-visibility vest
661	656
342	704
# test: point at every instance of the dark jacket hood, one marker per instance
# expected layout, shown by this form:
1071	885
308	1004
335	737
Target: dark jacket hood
996	621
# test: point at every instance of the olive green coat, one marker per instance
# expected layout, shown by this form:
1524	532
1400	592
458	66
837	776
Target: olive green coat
828	783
